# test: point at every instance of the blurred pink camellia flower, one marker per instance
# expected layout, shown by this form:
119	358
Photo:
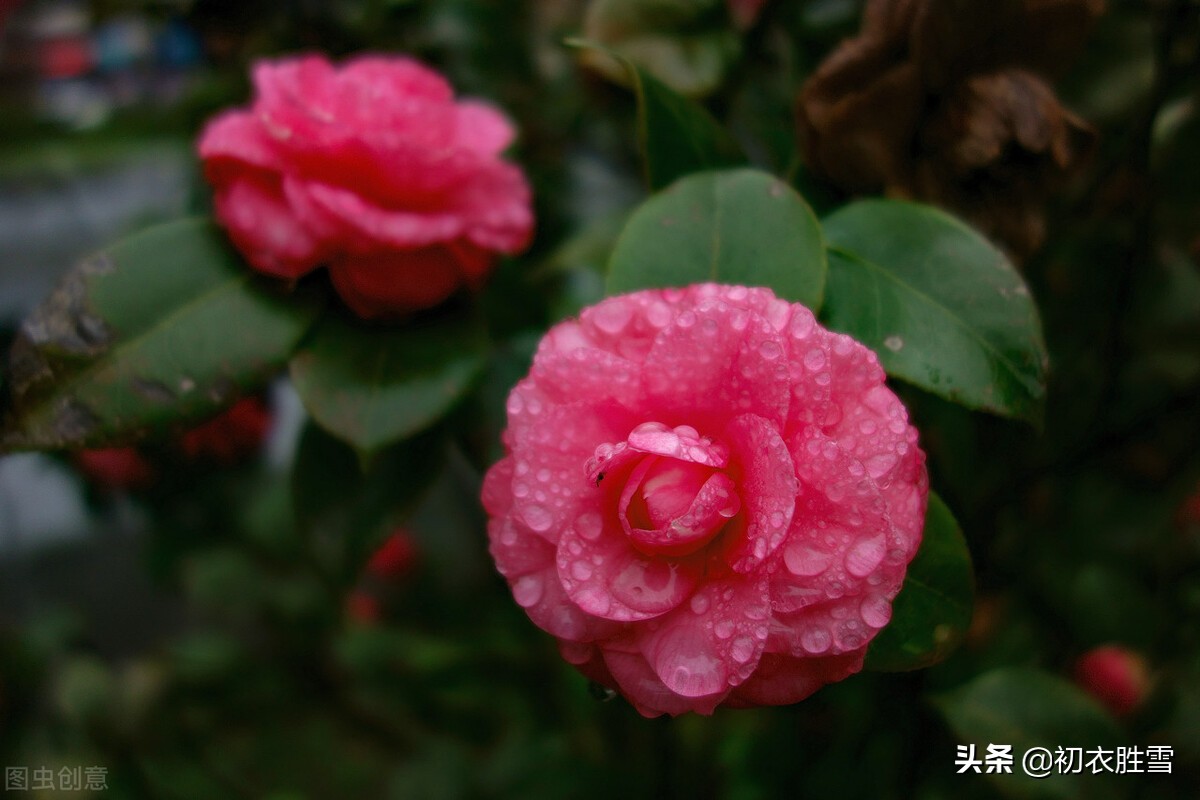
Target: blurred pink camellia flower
372	169
708	498
1114	675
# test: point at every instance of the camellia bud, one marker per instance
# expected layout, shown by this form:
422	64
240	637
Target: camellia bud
1116	676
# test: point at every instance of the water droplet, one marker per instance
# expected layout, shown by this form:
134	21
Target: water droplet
770	350
815	640
875	610
803	561
537	518
814	359
699	603
742	649
723	629
515	403
543	475
581	570
865	556
613	316
589	525
601	693
686	320
527	591
878	466
658	314
520	489
893	343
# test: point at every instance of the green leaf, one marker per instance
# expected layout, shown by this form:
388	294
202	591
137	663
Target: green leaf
733	226
932	611
347	511
942	307
372	386
1028	708
163	328
676	136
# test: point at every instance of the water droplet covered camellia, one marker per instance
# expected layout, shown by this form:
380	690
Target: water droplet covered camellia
373	169
708	498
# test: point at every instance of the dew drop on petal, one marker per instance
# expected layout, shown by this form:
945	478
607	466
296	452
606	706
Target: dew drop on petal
815	640
527	591
589	525
537	518
770	350
875	610
803	561
742	649
699	603
814	359
581	570
866	555
613	316
723	629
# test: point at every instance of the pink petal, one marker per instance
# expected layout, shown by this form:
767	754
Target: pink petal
713	361
237	135
262	225
393	282
607	577
713	641
527	562
765	478
551	445
841	534
482	128
780	679
567	366
649	695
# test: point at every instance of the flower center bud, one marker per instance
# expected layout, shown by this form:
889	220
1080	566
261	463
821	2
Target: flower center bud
674	507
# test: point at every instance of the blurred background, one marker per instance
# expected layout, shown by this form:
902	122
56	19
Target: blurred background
206	621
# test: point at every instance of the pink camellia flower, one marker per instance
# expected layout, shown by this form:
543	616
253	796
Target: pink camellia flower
373	169
1114	675
708	498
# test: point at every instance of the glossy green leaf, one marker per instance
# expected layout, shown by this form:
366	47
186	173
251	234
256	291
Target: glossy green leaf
943	308
1028	708
676	136
346	511
372	386
737	226
932	611
160	329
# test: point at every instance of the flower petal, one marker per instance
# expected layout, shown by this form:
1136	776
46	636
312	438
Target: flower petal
713	641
